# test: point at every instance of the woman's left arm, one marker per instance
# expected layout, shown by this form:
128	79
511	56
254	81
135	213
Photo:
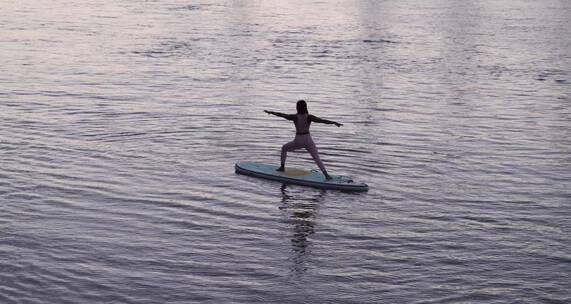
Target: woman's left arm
286	116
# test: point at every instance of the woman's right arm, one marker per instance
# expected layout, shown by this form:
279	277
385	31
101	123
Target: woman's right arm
325	121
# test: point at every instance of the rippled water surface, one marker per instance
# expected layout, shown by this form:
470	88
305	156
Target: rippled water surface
121	121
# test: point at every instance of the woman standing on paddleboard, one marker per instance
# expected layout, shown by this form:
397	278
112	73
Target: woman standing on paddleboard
302	120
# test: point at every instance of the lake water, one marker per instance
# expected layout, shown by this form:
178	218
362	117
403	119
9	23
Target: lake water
121	121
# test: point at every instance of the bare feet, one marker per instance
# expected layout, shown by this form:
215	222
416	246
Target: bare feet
281	169
328	177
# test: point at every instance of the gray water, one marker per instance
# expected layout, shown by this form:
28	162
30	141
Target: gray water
121	121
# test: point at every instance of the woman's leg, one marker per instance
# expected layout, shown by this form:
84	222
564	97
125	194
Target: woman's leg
312	149
290	146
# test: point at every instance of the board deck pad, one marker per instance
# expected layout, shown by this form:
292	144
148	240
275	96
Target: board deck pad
312	178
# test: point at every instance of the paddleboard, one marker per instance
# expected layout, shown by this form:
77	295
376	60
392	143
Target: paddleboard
311	178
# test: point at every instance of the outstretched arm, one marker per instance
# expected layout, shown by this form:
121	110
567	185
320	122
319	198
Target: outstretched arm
286	116
325	121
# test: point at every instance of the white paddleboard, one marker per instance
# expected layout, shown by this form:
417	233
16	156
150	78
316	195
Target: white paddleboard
312	178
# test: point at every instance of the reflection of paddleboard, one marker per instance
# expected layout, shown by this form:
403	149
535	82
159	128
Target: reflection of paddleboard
311	178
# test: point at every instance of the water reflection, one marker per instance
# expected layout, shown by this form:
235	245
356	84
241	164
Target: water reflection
300	208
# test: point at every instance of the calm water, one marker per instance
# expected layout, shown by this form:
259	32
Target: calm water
120	123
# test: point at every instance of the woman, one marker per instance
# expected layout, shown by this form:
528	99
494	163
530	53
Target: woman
302	120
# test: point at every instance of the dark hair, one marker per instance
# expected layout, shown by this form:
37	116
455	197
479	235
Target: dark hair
301	107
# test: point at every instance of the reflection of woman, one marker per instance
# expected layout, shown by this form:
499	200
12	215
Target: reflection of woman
303	139
300	207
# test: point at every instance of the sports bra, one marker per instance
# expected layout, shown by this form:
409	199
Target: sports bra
302	123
